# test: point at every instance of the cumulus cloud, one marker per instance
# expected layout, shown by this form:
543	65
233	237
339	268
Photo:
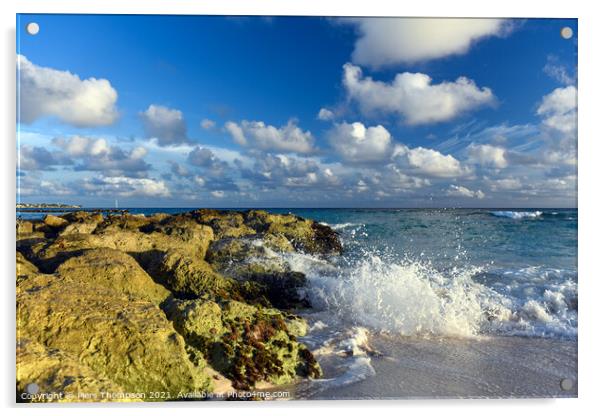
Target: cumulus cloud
257	134
125	187
414	97
39	158
356	143
460	191
80	102
488	155
325	114
429	162
95	154
559	109
207	124
165	124
389	41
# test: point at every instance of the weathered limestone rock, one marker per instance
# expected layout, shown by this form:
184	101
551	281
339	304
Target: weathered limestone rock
54	221
306	235
136	304
120	338
114	269
60	377
245	343
187	276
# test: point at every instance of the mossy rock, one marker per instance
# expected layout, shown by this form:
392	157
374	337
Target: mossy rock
111	268
186	276
246	343
305	235
60	377
119	338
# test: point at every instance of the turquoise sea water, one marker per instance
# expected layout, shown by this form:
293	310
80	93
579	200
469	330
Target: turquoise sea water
450	272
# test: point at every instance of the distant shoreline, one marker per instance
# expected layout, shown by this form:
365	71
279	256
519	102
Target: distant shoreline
70	209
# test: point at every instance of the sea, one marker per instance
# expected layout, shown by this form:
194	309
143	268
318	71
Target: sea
434	274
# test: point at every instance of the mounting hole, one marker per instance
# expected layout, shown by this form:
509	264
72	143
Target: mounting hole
32	28
566	32
566	384
32	388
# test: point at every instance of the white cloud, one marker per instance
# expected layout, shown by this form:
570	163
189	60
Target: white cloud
207	124
126	187
356	143
460	191
414	97
257	134
556	71
165	124
559	109
325	114
218	194
488	155
506	184
46	91
388	41
95	154
429	162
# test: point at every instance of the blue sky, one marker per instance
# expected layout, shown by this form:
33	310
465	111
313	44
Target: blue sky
296	111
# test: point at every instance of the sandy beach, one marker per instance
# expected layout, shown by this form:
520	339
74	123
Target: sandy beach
480	367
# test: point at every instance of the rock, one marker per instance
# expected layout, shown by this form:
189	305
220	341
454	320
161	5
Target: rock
104	267
189	238
187	276
123	221
224	223
24	227
247	344
306	235
81	222
54	221
252	260
179	232
297	326
118	337
84	216
24	267
60	377
79	228
136	304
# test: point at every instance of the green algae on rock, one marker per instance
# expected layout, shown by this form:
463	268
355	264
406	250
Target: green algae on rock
170	303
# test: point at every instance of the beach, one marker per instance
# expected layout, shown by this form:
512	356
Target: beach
485	367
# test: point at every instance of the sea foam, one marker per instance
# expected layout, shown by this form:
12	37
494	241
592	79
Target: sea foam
517	215
415	299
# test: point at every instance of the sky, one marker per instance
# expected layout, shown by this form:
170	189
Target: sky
225	111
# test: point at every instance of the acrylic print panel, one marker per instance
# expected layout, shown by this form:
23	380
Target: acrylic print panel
223	207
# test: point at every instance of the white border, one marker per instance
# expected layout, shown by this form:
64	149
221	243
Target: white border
590	32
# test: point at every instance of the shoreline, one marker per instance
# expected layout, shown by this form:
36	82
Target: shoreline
485	366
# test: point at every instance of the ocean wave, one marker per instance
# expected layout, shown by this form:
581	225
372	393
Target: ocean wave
517	215
343	225
414	298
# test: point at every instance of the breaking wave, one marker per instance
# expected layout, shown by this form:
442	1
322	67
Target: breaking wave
517	215
414	298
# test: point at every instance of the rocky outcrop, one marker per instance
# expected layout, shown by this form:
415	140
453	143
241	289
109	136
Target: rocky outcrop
166	303
115	333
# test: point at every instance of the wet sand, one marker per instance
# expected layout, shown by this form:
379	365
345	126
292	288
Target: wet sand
484	367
